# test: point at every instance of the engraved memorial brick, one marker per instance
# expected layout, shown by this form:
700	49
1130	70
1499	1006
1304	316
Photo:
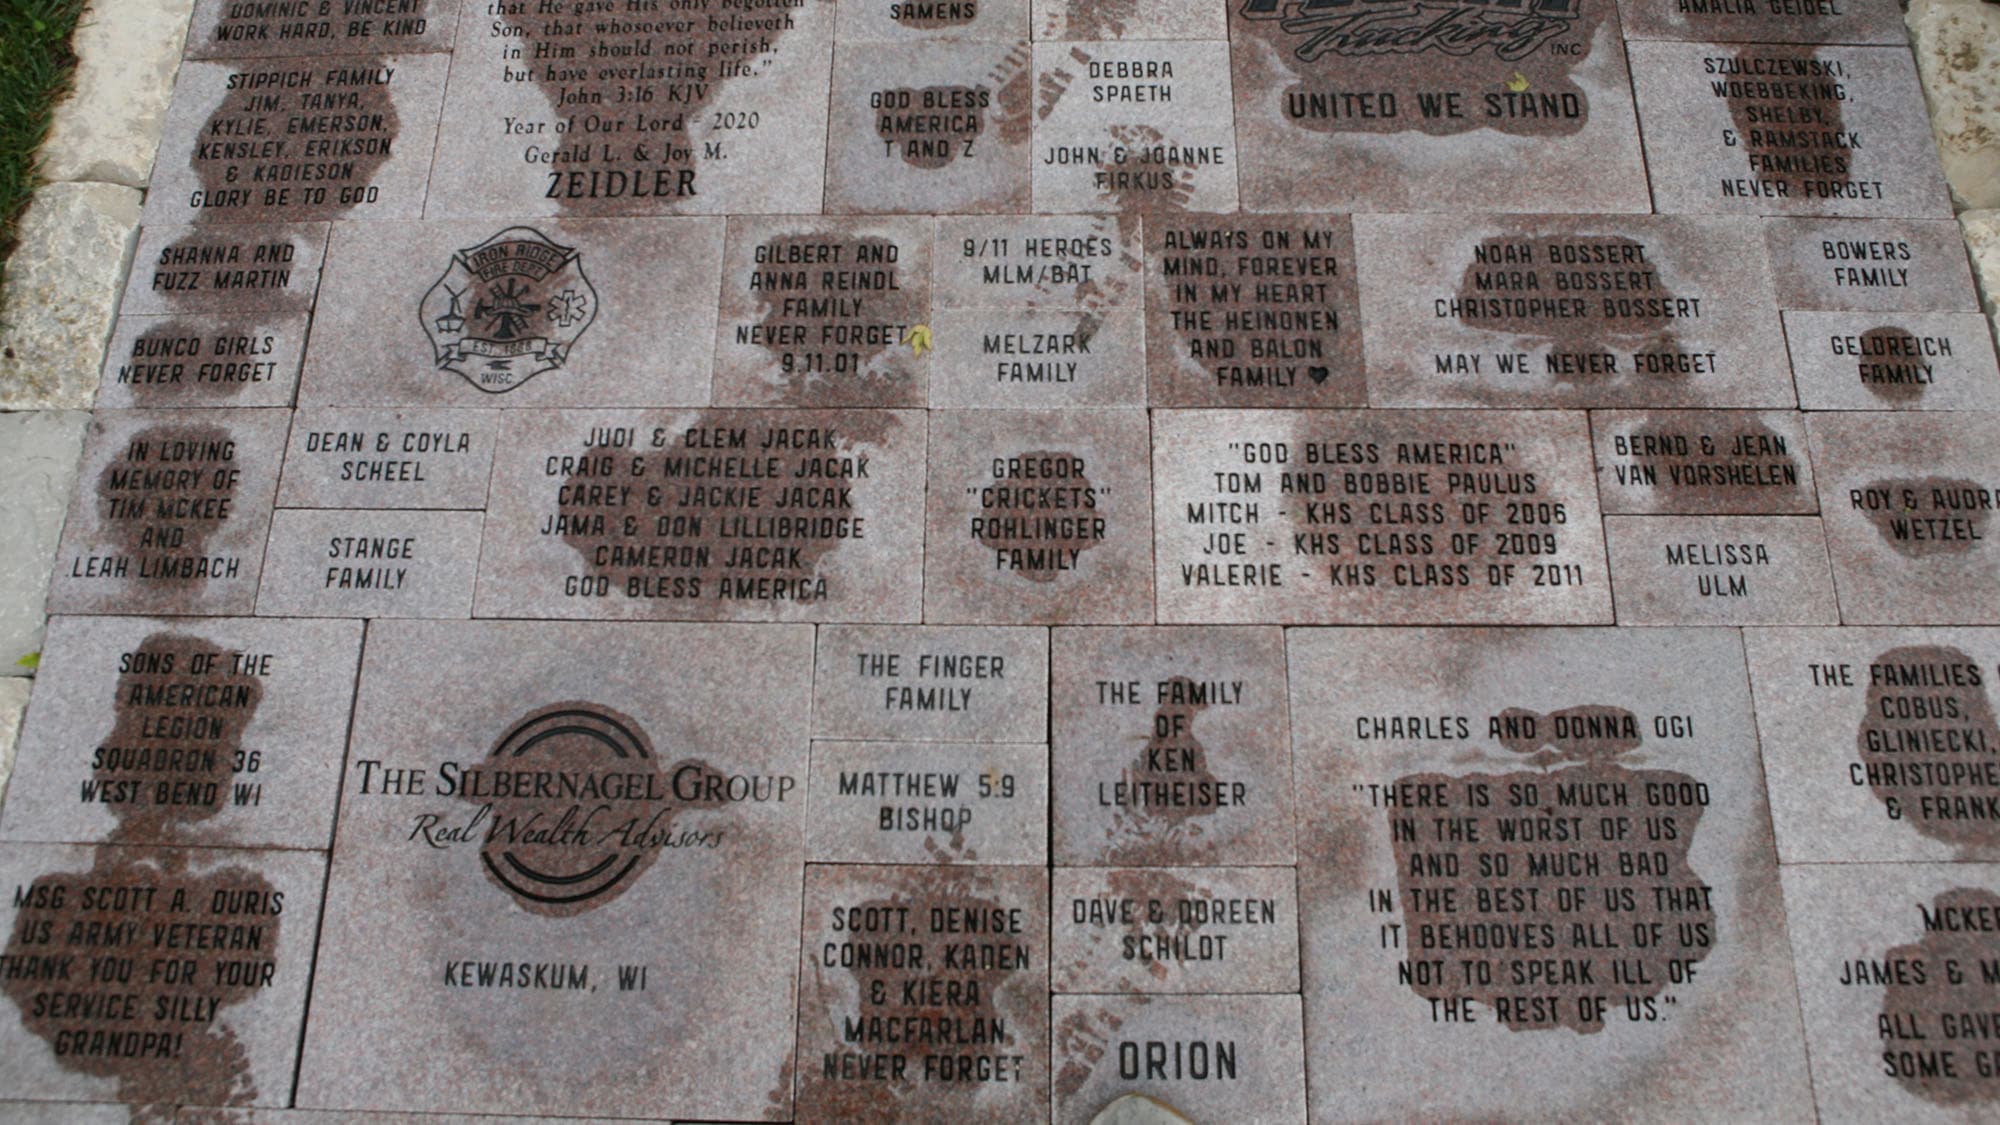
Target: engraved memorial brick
225	269
1175	929
1171	747
785	515
1215	1057
170	512
1909	502
1517	107
1038	359
929	127
1533	848
1912	265
345	458
923	994
818	312
521	799
1719	570
704	109
1088	262
155	976
902	21
1902	361
182	361
218	732
929	802
1040	517
1896	982
931	683
290	139
1769	21
346	563
1757	129
1702	462
488	314
1402	516
1246	310
1569	312
242	29
1880	744
1158	19
1135	127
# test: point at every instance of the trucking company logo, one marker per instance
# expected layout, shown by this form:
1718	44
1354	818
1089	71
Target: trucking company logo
508	309
1514	29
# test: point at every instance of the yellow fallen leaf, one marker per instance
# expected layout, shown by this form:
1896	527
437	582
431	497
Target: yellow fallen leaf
918	336
1517	83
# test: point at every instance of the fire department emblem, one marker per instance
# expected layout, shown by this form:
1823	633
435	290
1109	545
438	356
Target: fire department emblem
508	309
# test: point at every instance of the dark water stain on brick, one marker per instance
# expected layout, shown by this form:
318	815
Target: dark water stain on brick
1500	60
1791	135
1748	469
1929	517
163	497
1595	348
610	814
598	84
179	362
1152	832
128	967
181	707
848	318
274	150
1895	375
1931	998
1518	842
933	126
1926	738
225	268
930	1013
1039	514
676	546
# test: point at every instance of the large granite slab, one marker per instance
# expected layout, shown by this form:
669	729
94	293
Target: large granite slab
1503	108
290	139
1651	311
928	802
1896	978
560	313
1040	517
214	732
1765	21
329	562
1912	265
1534	849
155	976
1301	517
935	127
1757	129
552	819
233	269
235	29
1719	570
1175	929
348	458
924	994
1879	744
1909	502
1253	310
1138	127
931	683
170	512
1894	361
787	515
1171	747
1219	1058
1702	462
250	359
818	312
643	110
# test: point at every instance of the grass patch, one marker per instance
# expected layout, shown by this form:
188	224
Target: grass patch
35	66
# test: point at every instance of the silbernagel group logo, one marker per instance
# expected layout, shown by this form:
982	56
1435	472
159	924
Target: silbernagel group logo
1514	29
508	309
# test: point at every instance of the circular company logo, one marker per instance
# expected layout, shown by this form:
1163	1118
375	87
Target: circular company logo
573	789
